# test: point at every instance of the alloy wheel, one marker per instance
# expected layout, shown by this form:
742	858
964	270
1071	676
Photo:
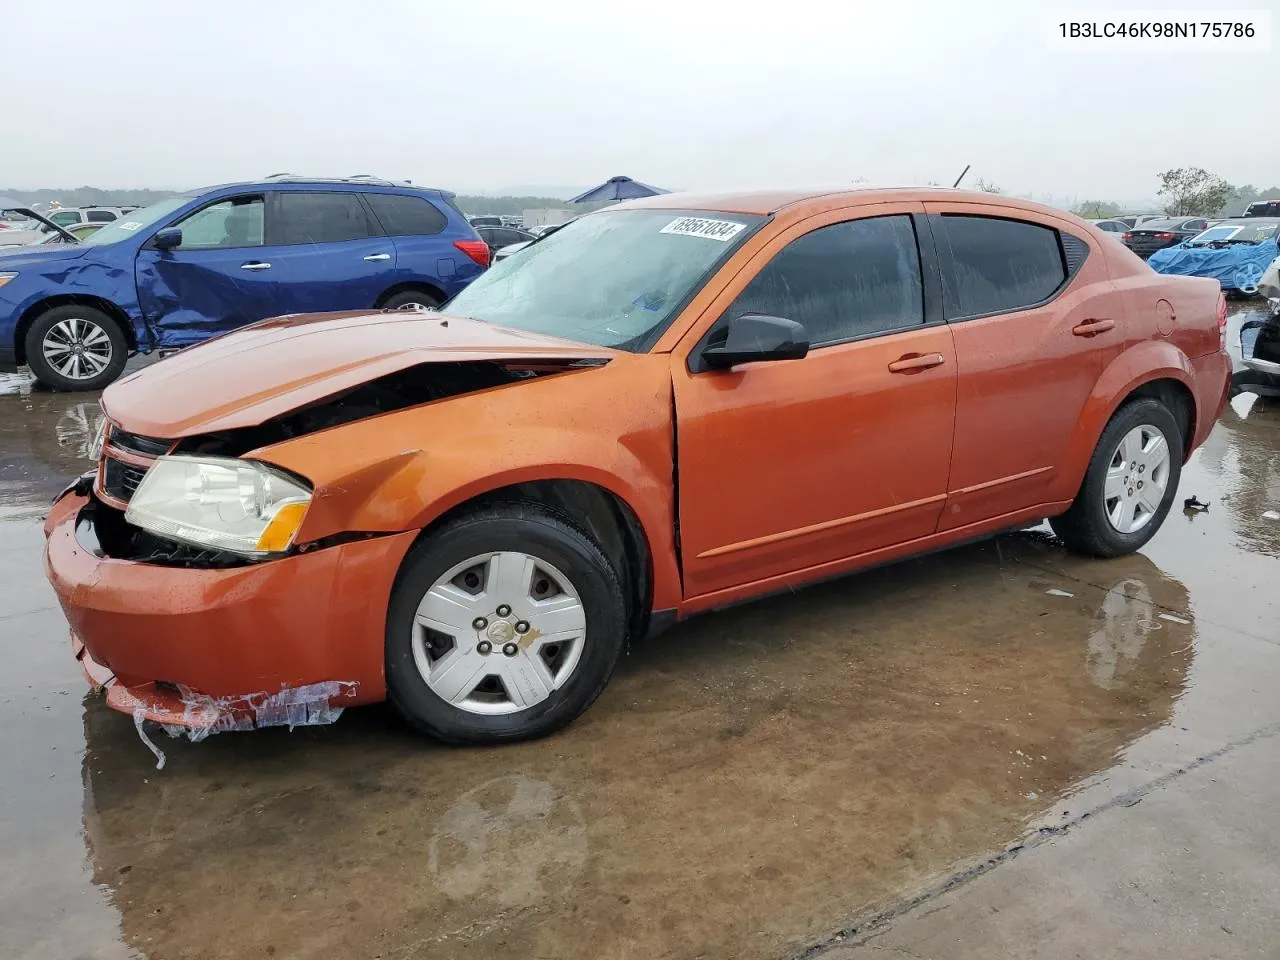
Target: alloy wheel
77	348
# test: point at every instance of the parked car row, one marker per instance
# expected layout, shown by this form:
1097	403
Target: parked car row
193	266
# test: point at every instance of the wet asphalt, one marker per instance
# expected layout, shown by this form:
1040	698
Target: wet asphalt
1000	750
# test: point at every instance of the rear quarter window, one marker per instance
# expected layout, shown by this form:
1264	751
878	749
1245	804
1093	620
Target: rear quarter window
998	265
405	216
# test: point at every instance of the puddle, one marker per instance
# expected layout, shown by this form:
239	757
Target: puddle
747	782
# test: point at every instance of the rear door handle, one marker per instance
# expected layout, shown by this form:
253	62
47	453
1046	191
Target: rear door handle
1091	328
378	256
255	265
916	361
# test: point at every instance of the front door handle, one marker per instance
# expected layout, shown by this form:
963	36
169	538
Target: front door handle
1091	328
916	361
255	265
378	256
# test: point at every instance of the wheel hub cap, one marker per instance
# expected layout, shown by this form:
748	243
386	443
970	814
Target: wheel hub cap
499	633
1137	478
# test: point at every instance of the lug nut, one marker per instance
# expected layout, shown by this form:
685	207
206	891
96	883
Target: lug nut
479	623
1142	468
522	626
1139	484
484	646
503	610
510	649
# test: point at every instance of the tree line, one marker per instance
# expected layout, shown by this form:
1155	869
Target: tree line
1189	192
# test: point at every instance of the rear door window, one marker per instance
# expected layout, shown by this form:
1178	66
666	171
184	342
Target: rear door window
320	217
997	265
403	216
842	281
99	216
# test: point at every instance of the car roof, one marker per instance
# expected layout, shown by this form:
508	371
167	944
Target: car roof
294	181
1247	222
765	202
1170	220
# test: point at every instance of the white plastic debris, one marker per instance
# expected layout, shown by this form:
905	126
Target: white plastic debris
1271	515
305	706
1055	592
139	716
1170	617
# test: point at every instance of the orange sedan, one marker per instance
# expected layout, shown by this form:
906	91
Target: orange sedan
665	407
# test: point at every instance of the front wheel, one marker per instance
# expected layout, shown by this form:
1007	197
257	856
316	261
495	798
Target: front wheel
1130	484
504	625
411	300
76	348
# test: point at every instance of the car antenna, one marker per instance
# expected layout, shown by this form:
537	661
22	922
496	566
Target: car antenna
961	177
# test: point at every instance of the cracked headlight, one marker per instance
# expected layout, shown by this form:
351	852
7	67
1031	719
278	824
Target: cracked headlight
221	503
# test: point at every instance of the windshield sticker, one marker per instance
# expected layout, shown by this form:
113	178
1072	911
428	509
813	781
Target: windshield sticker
130	225
722	230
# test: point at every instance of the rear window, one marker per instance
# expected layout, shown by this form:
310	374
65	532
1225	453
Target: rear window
998	265
403	216
99	216
304	217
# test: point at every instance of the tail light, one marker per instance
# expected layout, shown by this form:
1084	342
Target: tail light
1222	321
1165	236
477	250
1126	236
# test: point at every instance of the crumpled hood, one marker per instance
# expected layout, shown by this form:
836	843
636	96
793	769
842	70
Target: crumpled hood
259	372
37	255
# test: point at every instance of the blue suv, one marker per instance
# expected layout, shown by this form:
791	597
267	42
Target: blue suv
189	268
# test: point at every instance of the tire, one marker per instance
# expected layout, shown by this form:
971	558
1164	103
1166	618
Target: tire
409	298
1088	526
103	350
491	712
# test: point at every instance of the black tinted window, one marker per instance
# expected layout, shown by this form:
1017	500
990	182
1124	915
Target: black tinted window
320	218
842	281
403	216
998	264
99	216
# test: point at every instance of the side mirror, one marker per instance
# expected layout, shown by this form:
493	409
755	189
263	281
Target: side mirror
753	337
167	239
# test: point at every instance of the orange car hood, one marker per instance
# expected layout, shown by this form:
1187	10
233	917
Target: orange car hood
272	367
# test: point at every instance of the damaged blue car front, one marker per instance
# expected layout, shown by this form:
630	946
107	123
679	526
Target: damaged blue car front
193	266
1234	252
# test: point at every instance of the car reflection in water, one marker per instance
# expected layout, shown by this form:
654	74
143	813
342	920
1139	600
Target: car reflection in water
792	760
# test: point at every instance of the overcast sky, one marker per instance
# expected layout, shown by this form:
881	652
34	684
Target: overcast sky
681	93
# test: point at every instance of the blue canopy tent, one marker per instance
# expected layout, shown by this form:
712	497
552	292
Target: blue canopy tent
618	188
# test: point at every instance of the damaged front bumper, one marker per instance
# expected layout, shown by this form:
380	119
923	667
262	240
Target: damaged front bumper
284	642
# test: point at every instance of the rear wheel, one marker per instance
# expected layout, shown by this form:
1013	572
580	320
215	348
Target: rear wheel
411	299
76	348
504	625
1130	484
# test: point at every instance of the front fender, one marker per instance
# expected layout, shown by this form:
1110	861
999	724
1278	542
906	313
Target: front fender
109	279
610	427
1141	363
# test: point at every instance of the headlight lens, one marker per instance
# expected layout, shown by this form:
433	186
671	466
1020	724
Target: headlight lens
6	277
99	440
240	506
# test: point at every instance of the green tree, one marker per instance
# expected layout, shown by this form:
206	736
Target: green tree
1194	192
1097	209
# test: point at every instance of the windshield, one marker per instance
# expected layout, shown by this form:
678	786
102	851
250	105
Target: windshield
610	278
128	225
1235	233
